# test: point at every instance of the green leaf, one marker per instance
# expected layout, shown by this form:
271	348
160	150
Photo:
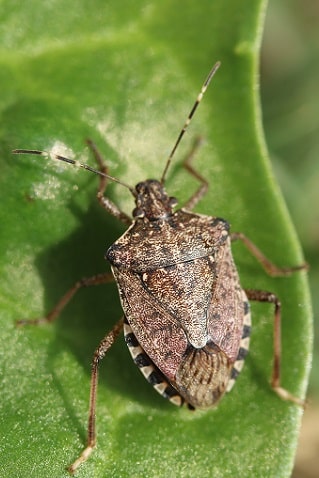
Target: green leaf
126	76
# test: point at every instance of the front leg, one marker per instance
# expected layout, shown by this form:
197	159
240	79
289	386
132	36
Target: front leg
202	188
104	201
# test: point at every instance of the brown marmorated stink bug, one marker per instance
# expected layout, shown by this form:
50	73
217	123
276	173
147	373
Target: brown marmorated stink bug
186	317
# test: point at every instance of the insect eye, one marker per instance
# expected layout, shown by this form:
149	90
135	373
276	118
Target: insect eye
138	212
172	202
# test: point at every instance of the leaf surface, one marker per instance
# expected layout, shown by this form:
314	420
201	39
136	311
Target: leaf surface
126	75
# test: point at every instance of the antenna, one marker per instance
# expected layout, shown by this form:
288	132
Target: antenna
75	163
189	118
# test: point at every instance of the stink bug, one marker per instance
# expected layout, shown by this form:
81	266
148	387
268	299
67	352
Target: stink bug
186	317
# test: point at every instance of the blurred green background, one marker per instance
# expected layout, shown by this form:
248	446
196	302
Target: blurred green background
290	104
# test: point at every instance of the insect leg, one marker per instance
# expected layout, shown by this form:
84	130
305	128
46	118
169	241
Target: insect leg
99	354
268	266
264	296
202	189
105	202
65	299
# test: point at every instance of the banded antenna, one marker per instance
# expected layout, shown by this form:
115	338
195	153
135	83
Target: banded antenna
75	163
189	118
78	164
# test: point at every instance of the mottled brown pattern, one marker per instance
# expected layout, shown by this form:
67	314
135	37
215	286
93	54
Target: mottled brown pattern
203	375
180	293
187	318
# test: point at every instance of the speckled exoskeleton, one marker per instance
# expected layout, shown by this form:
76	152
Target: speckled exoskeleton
186	317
